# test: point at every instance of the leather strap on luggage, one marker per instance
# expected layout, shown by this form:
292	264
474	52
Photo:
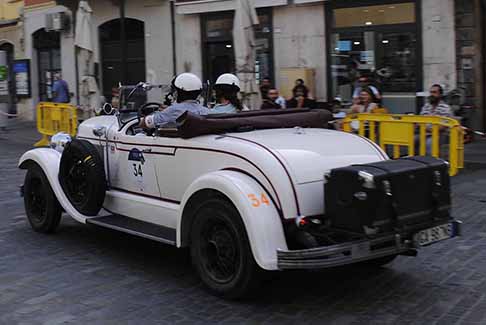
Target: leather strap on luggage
435	190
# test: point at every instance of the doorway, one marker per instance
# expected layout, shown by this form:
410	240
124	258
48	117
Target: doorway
217	47
48	47
483	63
111	47
220	59
12	102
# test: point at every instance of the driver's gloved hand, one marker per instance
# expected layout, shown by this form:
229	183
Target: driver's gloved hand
148	122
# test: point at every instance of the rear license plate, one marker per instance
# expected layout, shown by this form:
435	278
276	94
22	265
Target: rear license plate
428	236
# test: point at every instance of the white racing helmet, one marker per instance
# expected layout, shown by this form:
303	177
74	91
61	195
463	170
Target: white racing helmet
187	82
228	79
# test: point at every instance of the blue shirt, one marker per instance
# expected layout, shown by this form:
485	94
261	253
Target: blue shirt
281	101
61	89
223	109
168	116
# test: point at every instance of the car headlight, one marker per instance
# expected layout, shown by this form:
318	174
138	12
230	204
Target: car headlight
59	141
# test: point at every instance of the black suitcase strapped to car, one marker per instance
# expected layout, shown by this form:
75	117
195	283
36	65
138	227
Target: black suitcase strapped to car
403	195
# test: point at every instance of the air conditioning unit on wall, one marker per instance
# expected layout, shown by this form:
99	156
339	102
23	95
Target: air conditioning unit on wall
57	22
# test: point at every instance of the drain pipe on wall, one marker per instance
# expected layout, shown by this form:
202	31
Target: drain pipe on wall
123	41
172	21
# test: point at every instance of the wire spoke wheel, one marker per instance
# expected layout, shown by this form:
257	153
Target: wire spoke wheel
76	182
41	205
37	199
220	251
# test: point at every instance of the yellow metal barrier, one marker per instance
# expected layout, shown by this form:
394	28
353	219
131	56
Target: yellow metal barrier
400	131
53	118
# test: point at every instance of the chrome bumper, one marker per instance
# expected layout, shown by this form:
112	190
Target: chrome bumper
348	253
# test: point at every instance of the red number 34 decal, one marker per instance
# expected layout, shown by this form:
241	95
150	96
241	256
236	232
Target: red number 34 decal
258	200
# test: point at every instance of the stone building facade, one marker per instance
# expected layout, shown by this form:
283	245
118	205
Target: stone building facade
470	49
407	45
11	41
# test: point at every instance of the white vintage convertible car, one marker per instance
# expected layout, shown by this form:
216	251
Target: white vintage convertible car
247	193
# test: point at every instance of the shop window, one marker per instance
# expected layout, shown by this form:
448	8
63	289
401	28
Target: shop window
379	42
218	52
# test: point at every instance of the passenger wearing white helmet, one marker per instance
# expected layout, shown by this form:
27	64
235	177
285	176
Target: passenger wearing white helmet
226	88
186	87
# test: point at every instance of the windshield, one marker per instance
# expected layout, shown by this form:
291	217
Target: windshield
125	117
132	97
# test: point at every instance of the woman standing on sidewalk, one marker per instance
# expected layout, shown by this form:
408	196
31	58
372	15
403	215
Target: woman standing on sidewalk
366	102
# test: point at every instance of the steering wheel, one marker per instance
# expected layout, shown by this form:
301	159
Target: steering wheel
147	109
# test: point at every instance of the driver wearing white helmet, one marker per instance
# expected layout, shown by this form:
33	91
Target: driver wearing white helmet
187	88
226	90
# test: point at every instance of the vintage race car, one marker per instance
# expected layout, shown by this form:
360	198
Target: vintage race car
249	192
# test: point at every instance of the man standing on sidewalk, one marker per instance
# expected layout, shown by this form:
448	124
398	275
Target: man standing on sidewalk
435	107
60	89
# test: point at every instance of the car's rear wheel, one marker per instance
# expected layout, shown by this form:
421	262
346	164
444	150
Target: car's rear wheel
41	205
221	252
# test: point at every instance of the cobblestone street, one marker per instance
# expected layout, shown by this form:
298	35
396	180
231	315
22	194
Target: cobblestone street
87	275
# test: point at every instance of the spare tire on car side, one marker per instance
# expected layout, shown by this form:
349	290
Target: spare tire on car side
82	177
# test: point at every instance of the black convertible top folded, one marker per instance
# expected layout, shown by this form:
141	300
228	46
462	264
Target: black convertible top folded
191	125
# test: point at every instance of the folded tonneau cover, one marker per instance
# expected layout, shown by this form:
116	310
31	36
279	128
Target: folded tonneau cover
191	125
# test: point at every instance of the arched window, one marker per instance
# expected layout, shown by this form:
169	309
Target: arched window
111	49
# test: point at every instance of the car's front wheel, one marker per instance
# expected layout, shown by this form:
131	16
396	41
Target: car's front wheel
41	205
221	252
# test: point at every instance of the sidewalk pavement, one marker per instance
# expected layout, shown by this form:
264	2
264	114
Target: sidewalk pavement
25	133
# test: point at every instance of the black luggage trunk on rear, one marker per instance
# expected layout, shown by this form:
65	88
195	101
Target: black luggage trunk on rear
388	195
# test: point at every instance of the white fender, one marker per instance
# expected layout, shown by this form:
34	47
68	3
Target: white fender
263	224
49	160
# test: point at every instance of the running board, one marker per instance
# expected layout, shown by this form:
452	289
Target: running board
136	227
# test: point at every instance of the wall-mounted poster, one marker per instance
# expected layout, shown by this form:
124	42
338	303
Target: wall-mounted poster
21	69
3	80
3	74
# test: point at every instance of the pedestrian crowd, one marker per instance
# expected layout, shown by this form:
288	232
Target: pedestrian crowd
271	99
